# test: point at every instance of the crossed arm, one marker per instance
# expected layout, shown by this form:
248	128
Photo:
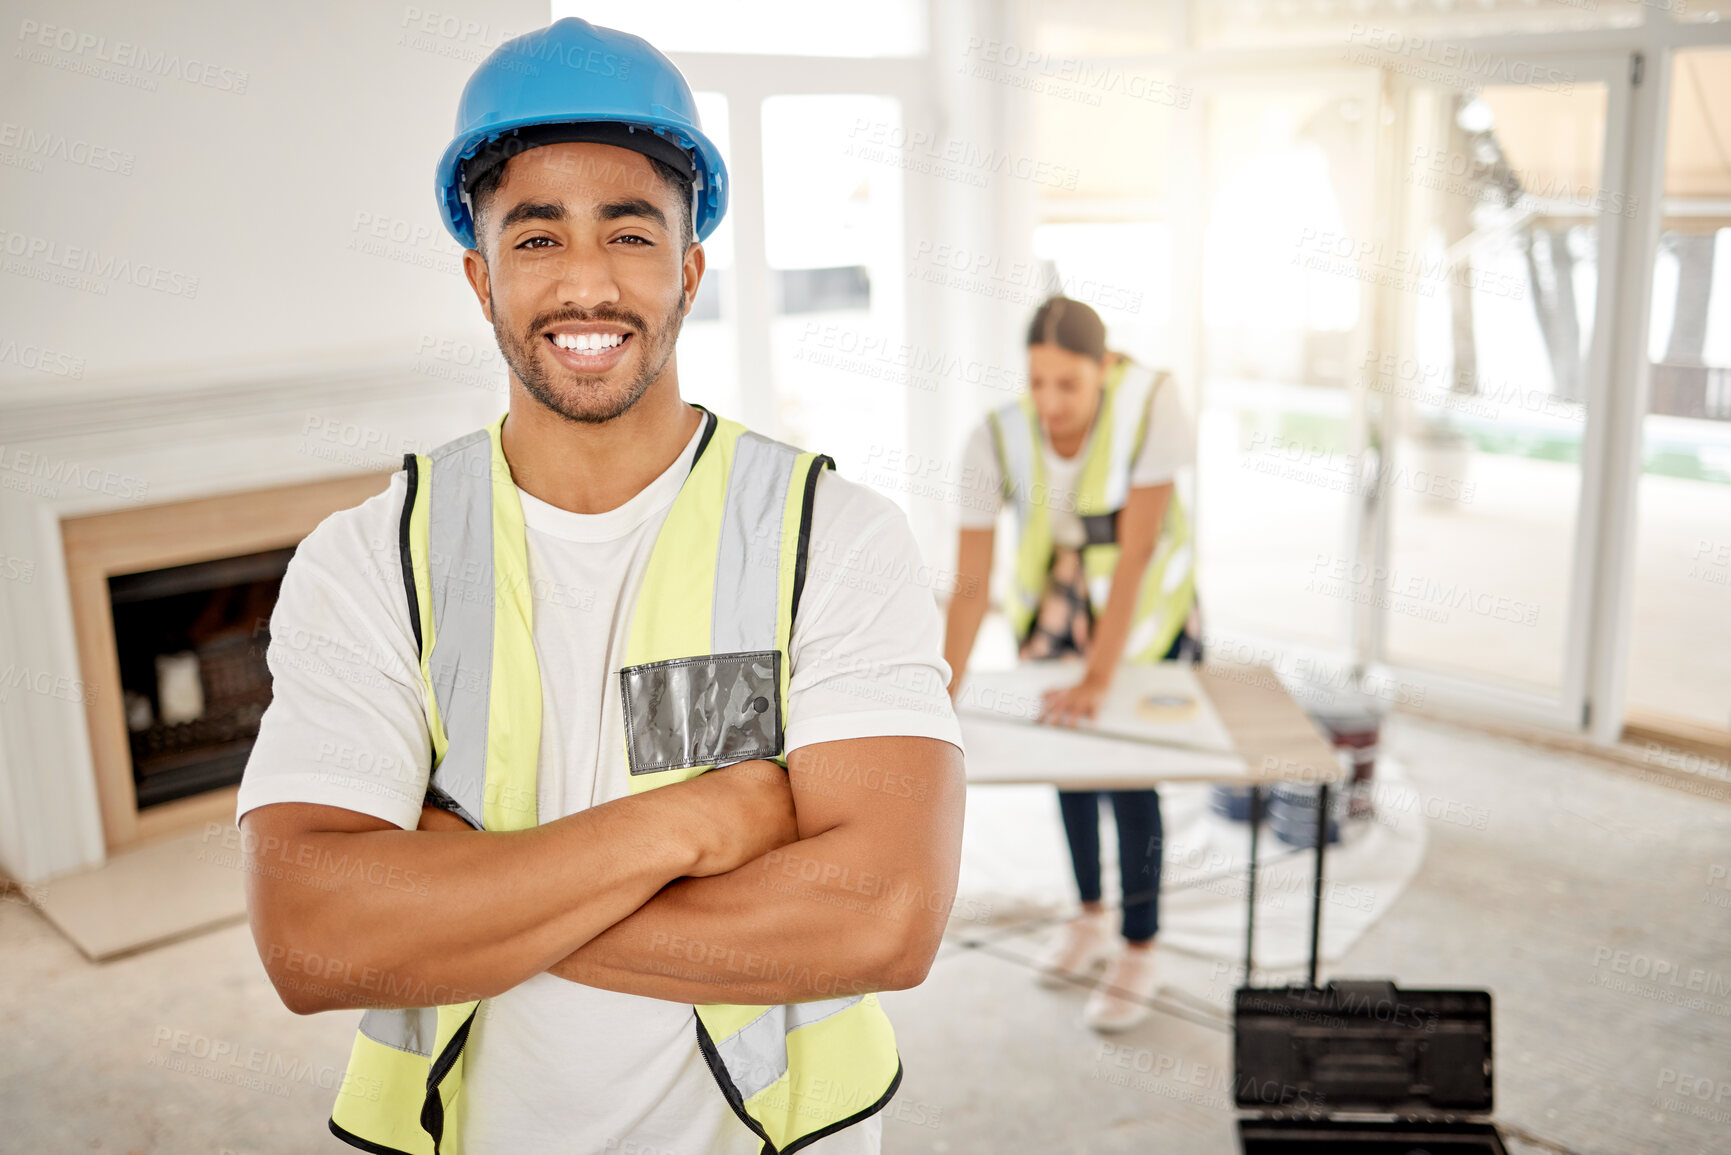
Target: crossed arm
857	903
833	877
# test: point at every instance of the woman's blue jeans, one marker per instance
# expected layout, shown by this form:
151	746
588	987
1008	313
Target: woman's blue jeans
1139	837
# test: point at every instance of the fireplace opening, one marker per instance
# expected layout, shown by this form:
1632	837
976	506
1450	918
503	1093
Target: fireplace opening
191	643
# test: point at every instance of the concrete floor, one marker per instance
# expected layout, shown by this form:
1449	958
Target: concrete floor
1583	885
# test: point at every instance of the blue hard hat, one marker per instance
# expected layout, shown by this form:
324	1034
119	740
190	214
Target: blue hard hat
574	81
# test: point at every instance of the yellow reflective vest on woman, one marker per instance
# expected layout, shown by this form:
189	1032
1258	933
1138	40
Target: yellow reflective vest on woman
1168	587
704	684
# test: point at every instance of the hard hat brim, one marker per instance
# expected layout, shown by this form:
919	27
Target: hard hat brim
709	171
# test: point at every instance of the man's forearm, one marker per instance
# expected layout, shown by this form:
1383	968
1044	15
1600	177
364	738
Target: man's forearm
858	903
348	917
808	921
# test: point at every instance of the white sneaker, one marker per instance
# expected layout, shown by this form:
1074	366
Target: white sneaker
1121	1000
1083	944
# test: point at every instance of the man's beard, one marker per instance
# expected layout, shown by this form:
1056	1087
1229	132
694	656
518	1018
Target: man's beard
585	398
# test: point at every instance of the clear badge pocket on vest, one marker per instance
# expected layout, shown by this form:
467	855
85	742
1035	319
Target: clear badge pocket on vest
702	711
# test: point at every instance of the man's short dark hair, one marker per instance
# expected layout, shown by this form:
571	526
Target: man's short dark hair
482	195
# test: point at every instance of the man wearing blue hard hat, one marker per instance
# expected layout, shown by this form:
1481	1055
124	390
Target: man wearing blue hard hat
614	797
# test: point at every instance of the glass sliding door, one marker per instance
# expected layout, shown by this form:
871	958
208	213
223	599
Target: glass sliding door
1678	675
801	318
1484	393
832	180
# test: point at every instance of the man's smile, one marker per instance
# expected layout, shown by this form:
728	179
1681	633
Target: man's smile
589	347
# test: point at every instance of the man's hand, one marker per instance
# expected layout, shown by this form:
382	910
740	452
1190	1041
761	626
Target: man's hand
858	904
751	804
754	806
344	887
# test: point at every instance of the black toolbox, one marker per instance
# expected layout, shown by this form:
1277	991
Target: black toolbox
1362	1066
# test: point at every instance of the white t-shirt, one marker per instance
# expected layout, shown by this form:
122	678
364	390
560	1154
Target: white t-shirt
1168	447
552	1066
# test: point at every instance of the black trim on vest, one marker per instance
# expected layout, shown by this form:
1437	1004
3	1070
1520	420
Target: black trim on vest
709	427
717	1068
817	466
807	1140
413	470
433	1107
368	1145
712	1056
1100	528
437	796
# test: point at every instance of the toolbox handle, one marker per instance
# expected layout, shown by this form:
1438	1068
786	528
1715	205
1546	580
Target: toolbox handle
1375	991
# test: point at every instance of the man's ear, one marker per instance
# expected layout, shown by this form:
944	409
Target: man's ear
691	273
480	280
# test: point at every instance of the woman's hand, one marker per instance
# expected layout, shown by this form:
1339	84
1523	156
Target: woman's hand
1068	706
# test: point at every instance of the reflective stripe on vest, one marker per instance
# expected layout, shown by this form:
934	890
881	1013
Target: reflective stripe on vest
706	666
704	683
1168	586
471	581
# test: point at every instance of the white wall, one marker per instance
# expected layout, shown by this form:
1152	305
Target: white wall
316	116
275	338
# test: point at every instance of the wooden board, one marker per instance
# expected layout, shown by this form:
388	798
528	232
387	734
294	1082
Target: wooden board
1270	731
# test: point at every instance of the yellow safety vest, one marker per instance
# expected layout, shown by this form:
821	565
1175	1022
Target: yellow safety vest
704	683
1168	585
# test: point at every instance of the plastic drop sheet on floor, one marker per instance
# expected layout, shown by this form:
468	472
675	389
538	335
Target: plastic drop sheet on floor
1016	870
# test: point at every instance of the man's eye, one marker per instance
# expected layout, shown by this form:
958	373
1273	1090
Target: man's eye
634	237
532	240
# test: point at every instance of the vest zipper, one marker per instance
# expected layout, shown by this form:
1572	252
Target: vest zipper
712	1056
433	1106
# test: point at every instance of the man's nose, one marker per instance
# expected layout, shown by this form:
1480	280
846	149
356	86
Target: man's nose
583	279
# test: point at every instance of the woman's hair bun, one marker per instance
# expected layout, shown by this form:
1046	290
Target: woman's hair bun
1069	324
